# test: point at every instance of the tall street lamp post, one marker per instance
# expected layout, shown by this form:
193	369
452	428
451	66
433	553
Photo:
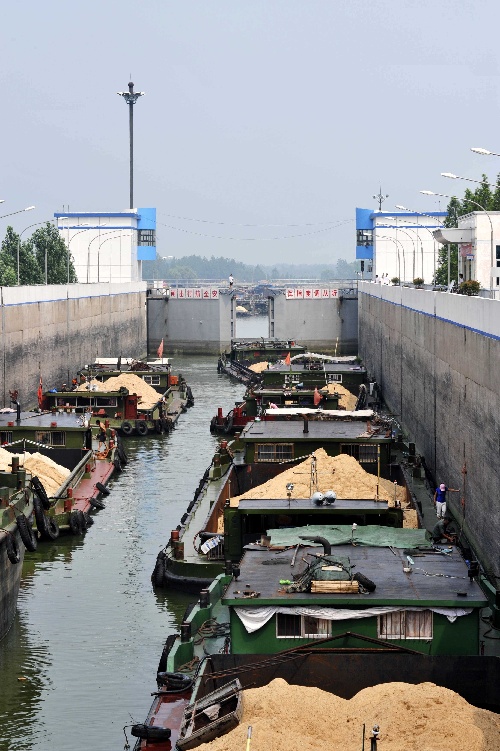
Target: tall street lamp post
475	203
131	98
422	226
397	243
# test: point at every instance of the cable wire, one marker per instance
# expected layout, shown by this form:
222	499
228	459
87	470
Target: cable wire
255	239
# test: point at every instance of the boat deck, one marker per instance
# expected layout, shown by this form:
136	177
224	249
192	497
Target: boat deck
439	580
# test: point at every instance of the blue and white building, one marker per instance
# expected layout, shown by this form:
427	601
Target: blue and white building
109	246
398	244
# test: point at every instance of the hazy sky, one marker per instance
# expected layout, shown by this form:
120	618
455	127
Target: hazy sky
264	112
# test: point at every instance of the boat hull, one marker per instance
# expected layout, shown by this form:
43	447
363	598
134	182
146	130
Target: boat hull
10	579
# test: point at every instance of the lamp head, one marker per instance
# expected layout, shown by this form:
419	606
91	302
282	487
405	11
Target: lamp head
449	174
478	150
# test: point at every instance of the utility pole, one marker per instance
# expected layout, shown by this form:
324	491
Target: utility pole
380	197
131	98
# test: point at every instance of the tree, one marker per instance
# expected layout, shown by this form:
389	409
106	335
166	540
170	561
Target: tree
29	271
478	200
51	254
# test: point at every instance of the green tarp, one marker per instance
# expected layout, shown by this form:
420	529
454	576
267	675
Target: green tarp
343	534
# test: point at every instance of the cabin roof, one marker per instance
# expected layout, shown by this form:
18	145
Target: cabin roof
283	505
284	431
327	367
436	580
41	420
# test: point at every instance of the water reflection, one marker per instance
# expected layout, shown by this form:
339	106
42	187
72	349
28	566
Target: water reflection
90	630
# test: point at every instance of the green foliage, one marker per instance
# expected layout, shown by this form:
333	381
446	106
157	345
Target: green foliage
418	281
483	198
395	280
44	243
52	255
470	287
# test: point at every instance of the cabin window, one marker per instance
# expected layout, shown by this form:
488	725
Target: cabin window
152	380
105	401
292	378
405	624
51	437
364	452
301	627
6	437
273	452
334	378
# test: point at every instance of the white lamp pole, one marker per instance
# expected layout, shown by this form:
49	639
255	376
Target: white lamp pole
430	216
469	200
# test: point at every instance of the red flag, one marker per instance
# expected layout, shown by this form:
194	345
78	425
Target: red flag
287	359
160	349
39	393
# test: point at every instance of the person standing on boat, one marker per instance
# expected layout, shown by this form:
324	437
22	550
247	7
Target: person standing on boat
440	499
231	281
316	397
101	436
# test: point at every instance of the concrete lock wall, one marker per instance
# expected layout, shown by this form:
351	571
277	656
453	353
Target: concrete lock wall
328	326
53	331
192	326
436	356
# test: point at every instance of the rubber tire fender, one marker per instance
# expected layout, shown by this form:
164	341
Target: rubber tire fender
213	423
40	518
150	732
158	573
12	549
142	427
88	519
52	532
41	492
117	463
102	488
167	424
97	504
229	425
75	522
83	520
26	531
174	681
121	453
365	582
158	427
127	428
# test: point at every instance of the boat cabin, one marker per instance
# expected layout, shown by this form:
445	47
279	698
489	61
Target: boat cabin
261	398
286	441
250	521
156	373
60	435
313	373
249	351
395	588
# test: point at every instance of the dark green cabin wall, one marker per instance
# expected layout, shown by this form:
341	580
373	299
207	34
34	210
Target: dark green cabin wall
459	638
332	448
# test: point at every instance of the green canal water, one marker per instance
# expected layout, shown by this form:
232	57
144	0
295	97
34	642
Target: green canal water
80	660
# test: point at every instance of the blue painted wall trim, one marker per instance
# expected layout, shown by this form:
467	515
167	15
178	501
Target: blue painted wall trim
364	218
96	226
146	253
407	213
147	218
438	318
96	214
364	252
